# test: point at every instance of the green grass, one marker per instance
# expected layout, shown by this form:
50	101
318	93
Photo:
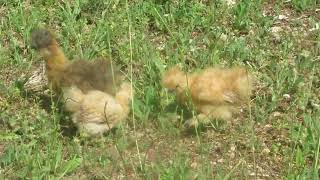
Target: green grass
277	138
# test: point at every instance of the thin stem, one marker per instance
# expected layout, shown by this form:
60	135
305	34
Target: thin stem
131	79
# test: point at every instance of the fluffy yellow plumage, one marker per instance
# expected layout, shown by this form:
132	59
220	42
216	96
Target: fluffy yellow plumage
215	92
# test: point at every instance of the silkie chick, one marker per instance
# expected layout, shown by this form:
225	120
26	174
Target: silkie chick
215	92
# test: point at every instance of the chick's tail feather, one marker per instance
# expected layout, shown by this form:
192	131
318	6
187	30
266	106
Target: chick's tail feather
245	84
124	96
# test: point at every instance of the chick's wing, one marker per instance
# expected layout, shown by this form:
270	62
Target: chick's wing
97	75
210	87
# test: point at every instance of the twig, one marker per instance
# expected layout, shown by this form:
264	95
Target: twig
131	78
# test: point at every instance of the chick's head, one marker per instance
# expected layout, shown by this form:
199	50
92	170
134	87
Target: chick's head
174	79
41	40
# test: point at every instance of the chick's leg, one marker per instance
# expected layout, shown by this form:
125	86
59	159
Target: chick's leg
221	112
214	112
197	120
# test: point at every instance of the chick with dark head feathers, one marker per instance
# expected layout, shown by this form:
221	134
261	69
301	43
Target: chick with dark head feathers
93	75
86	86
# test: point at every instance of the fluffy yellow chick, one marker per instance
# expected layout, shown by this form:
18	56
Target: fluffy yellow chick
215	92
96	111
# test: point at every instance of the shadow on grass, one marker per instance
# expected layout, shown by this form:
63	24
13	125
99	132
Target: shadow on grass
51	104
185	114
